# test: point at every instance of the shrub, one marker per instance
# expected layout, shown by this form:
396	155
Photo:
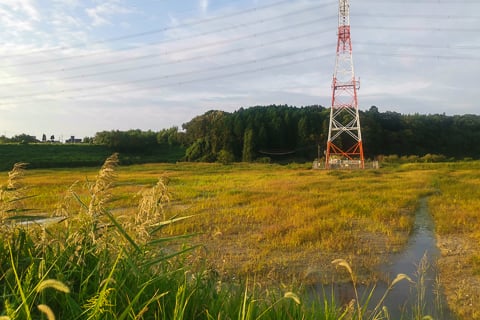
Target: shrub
225	157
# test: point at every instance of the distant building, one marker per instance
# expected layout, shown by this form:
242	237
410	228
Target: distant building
73	140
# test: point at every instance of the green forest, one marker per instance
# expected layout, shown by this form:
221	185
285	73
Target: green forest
281	133
277	132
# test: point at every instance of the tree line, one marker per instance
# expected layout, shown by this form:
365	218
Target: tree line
277	132
288	133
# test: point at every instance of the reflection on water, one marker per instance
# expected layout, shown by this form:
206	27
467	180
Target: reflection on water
418	261
36	221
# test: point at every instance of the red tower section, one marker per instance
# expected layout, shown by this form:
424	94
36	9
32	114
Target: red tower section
344	144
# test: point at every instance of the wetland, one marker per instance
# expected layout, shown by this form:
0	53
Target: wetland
284	225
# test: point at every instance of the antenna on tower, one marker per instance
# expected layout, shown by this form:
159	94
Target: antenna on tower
344	144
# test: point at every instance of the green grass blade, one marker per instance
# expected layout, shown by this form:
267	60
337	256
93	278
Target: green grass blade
129	308
122	231
19	284
167	239
75	195
163	258
103	294
21	198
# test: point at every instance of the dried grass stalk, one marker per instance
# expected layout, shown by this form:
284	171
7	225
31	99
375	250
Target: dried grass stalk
151	208
12	193
99	191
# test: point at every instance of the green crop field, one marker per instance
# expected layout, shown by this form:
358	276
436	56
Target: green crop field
212	241
45	155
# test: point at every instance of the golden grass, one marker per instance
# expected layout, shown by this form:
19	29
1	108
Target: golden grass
12	194
284	223
456	209
254	218
276	221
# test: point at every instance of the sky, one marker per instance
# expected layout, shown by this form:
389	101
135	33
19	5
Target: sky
77	67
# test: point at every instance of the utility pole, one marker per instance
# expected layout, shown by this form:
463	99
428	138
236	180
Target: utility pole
344	144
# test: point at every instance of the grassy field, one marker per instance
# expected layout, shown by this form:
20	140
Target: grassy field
46	155
456	210
284	224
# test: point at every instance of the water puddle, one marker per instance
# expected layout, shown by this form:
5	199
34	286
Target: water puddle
406	300
36	220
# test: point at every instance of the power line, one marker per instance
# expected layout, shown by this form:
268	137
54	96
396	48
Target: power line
424	56
230	66
193	58
57	59
236	50
192	48
213	77
215	31
178	83
203	46
414	45
216	77
164	29
155	55
91	89
418	28
381	15
193	72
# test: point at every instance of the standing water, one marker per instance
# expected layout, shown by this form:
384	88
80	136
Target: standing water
407	300
418	261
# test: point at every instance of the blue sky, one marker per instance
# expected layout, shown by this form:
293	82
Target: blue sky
75	67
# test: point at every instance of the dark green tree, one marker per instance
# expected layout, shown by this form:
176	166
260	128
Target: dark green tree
24	138
248	153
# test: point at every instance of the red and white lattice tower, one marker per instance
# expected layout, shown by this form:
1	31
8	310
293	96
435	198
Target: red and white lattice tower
344	144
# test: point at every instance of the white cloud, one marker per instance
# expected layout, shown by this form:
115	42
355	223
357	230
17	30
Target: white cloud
25	7
18	16
104	12
396	88
204	5
68	3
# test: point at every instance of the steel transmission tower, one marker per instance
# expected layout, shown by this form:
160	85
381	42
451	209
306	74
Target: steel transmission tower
344	144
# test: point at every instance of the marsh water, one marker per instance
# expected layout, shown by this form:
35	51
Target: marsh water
407	299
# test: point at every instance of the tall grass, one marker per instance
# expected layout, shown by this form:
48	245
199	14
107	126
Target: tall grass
99	269
126	247
91	266
12	194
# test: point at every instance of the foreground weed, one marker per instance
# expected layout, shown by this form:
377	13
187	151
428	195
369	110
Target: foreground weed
112	276
27	291
12	194
151	209
90	220
100	189
66	206
181	302
357	308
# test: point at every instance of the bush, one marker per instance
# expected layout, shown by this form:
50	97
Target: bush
225	157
